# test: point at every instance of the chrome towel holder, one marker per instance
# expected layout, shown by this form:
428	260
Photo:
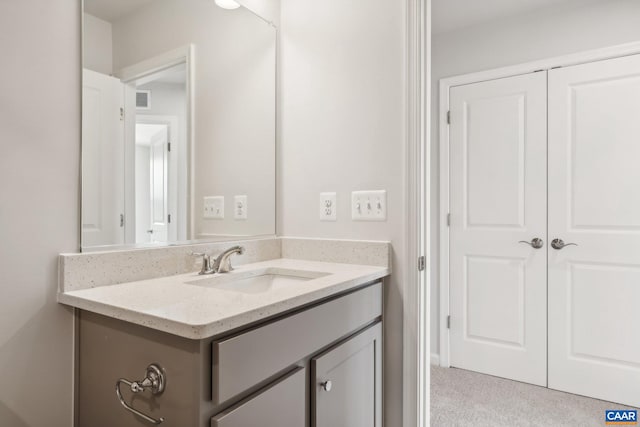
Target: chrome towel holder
155	380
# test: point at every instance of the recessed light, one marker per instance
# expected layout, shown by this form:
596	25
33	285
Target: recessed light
227	4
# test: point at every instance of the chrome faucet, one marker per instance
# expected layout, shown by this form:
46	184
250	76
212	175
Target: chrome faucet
222	264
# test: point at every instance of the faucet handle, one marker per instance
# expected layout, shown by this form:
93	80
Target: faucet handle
206	262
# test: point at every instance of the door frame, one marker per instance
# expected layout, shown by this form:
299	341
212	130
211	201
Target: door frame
184	54
442	358
415	278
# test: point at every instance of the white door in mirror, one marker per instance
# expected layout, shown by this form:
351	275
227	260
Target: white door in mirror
159	168
369	205
103	218
240	207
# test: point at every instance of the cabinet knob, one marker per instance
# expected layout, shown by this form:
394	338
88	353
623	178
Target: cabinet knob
326	386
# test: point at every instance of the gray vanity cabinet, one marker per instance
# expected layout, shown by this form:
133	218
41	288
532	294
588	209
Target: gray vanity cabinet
282	404
266	374
347	382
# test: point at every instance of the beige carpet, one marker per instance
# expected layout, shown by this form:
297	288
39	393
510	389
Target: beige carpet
464	398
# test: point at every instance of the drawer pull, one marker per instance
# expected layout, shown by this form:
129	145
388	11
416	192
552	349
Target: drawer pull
327	385
155	381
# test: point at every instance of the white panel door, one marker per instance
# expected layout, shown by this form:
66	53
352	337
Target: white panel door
102	160
159	168
498	295
594	201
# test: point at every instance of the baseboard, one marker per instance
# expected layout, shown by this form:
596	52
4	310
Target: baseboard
435	359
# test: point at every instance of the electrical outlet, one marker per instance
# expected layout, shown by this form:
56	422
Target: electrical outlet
328	207
369	205
240	207
213	207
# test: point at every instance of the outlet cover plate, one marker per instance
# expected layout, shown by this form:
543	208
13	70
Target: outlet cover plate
328	207
369	205
240	210
213	207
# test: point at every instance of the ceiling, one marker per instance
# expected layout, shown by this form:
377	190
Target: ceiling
112	10
176	75
449	15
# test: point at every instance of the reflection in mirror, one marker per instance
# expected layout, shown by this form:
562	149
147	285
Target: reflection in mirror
178	123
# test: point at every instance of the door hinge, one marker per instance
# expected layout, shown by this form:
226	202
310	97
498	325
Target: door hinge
121	220
169	146
449	322
169	218
121	113
449	117
448	220
422	263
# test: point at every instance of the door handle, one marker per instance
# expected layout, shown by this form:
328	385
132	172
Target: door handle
559	244
535	243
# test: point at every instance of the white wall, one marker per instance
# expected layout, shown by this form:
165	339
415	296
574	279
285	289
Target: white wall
39	184
234	102
97	49
547	33
342	128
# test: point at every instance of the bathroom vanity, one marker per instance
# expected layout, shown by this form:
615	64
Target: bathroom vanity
274	343
293	335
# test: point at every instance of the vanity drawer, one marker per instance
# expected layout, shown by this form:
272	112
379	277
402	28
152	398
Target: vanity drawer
245	360
282	404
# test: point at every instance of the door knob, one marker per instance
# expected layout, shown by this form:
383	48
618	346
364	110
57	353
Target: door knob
535	243
327	385
559	244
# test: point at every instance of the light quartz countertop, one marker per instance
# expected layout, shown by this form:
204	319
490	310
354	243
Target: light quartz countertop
191	306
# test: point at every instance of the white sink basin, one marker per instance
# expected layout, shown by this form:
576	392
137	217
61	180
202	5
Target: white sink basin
257	282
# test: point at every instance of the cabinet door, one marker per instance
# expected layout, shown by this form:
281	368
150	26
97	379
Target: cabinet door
237	366
279	405
347	382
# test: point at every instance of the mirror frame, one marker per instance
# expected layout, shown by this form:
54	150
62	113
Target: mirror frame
184	54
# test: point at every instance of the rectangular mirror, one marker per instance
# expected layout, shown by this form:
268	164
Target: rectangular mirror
178	122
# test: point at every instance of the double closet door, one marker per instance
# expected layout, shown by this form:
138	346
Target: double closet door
544	236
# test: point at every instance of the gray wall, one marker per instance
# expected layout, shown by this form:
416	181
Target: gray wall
342	128
39	170
98	47
551	32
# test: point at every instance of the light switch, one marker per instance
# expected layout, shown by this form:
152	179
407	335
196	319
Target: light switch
369	205
213	207
328	207
240	207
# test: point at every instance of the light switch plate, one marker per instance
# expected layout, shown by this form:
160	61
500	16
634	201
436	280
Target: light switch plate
213	207
328	207
369	205
240	207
